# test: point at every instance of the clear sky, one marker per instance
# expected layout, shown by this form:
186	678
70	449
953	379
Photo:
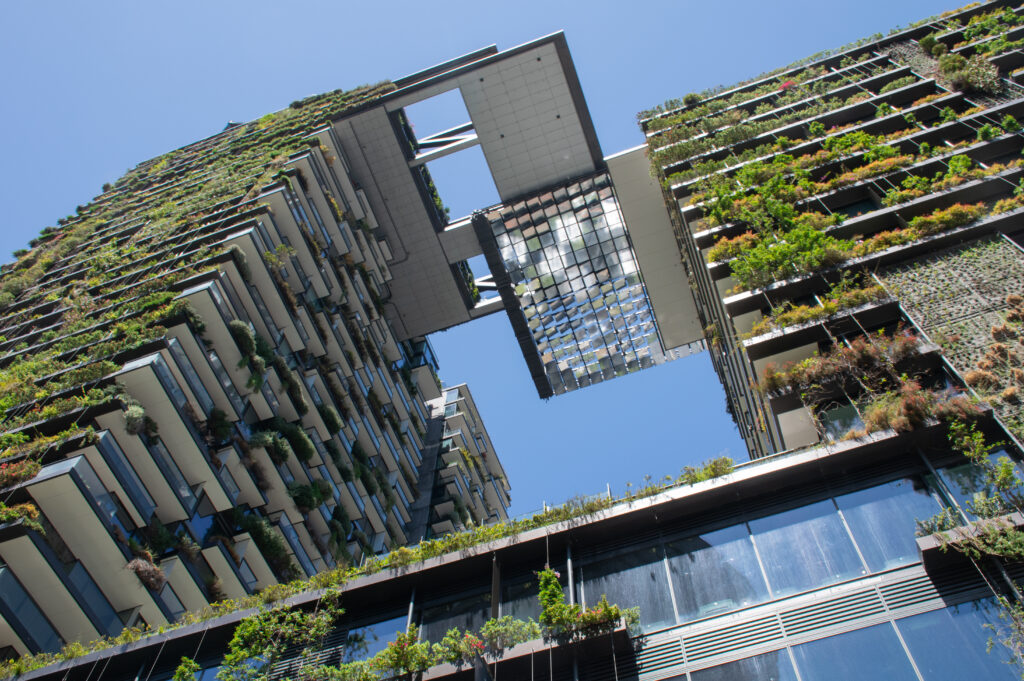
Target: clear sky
89	89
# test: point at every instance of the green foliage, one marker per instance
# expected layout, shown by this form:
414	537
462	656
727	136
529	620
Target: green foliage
800	250
405	655
297	438
245	338
218	425
186	670
330	418
291	385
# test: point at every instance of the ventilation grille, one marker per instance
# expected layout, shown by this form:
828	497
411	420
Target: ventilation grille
659	656
292	659
819	616
722	641
909	592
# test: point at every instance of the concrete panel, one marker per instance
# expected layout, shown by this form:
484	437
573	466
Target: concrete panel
657	252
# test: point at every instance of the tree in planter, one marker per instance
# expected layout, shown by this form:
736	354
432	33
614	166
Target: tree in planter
218	426
308	497
563	621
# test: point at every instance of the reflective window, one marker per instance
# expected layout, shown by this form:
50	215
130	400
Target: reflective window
519	597
952	643
715	572
967	481
468	612
805	548
871	653
882	520
28	618
633	578
366	641
774	666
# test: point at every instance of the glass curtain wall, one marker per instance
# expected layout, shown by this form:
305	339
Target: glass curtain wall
693	575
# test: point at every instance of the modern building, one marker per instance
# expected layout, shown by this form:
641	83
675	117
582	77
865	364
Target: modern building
841	235
209	387
826	202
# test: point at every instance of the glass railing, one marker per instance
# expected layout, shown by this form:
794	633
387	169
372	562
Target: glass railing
292	537
351	486
172	473
228	481
24	615
126	475
89	594
226	383
191	377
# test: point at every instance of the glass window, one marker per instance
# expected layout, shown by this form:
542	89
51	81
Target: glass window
633	578
966	481
30	620
775	666
871	653
468	612
952	643
716	572
883	520
519	597
365	641
805	548
838	420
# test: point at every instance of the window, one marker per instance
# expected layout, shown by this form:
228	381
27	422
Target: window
469	612
716	572
952	643
805	548
883	520
635	577
365	641
871	653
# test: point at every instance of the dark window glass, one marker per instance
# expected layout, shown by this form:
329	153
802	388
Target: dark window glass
635	578
715	572
951	643
871	653
365	641
805	548
468	612
883	520
519	598
774	666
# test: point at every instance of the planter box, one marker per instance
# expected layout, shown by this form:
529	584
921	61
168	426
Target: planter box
935	557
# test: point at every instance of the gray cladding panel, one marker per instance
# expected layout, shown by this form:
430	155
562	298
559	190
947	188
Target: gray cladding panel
424	294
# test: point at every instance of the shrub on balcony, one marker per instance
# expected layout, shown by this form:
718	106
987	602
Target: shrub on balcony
840	297
300	443
291	385
245	339
149	574
308	497
218	425
27	513
16	472
278	448
330	418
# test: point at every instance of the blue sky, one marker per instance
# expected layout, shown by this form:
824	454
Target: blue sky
91	89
